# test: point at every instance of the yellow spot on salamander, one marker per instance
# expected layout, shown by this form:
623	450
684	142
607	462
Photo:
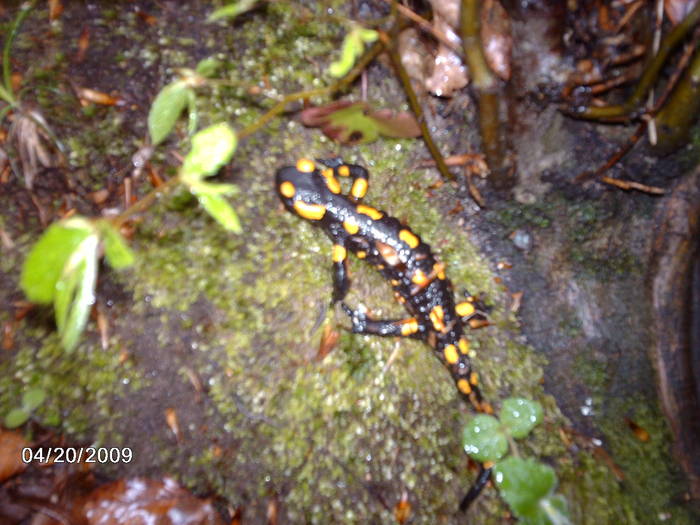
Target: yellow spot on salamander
409	326
305	165
339	253
474	378
368	210
287	189
450	353
333	185
465	309
361	254
343	171
419	278
359	188
439	271
436	317
312	212
395	282
351	227
464	386
463	345
331	182
409	238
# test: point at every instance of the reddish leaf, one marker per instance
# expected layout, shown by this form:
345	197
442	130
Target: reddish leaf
396	124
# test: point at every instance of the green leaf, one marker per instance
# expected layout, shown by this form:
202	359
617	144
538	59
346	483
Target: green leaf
207	188
353	45
524	483
483	439
192	115
221	210
32	398
556	509
166	109
352	125
232	10
211	148
48	256
207	67
15	418
117	252
75	291
520	416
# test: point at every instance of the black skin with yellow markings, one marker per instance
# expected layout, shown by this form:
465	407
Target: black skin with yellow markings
416	276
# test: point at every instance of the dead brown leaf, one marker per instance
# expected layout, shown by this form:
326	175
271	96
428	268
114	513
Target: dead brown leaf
11	445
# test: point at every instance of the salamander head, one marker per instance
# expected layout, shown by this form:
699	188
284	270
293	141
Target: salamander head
300	188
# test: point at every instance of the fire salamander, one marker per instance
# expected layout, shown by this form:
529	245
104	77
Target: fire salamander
399	254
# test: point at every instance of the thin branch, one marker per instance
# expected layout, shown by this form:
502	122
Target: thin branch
416	107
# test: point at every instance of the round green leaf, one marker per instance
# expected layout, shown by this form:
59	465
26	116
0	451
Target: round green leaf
483	438
48	256
520	416
15	418
523	483
32	398
166	109
211	148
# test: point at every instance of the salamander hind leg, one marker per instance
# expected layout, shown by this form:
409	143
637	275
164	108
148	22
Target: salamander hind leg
361	324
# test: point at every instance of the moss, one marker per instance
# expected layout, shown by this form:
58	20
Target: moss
79	390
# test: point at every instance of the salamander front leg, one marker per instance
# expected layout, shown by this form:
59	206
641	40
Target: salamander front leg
341	280
359	175
361	324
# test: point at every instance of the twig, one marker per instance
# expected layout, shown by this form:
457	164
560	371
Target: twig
615	158
631	185
143	203
415	106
